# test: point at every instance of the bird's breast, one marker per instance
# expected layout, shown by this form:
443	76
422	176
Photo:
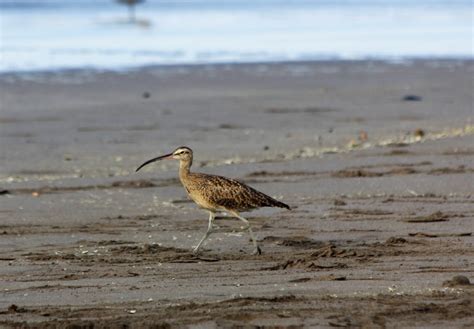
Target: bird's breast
199	198
202	200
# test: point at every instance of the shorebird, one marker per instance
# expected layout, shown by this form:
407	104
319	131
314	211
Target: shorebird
217	193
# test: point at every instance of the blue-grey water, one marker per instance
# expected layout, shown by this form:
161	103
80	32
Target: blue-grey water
43	35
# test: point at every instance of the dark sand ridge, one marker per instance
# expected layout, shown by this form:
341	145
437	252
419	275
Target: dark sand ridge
375	232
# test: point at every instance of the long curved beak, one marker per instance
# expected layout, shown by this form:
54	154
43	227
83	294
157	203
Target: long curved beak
154	159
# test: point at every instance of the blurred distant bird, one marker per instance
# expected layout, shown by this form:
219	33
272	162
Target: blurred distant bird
217	193
131	8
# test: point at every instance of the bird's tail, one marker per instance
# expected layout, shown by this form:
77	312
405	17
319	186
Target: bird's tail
279	204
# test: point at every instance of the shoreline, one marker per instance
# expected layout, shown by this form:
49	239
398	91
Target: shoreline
396	60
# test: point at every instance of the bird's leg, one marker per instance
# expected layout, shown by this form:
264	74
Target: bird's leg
215	227
208	232
257	250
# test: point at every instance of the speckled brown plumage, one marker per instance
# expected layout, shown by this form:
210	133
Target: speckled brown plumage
217	193
223	193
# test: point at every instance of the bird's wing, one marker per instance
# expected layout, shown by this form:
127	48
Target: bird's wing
234	195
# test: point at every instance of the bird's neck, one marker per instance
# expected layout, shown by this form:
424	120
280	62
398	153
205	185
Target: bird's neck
184	169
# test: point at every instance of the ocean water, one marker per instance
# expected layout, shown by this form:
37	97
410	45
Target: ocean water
50	35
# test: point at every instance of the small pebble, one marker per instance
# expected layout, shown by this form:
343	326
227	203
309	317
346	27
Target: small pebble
419	132
412	98
457	280
12	308
339	202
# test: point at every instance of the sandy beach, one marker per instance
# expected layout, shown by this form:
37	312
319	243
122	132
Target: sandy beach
375	158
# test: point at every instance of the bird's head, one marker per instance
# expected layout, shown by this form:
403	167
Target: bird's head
182	153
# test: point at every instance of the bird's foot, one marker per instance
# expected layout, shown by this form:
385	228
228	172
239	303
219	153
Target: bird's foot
257	251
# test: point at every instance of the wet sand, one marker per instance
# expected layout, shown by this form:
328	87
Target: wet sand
375	158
